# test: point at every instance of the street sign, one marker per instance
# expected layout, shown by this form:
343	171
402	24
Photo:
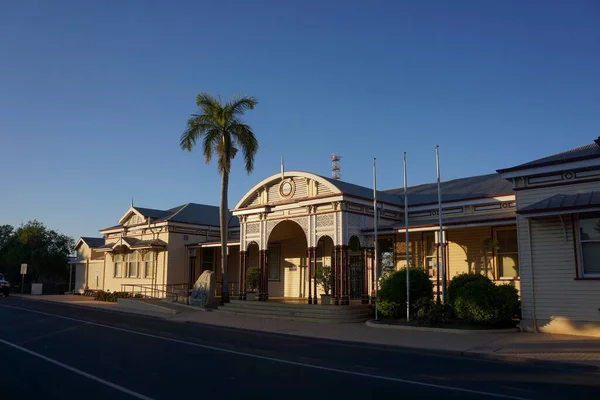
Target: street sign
23	269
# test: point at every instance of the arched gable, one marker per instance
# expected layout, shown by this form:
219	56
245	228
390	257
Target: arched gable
295	185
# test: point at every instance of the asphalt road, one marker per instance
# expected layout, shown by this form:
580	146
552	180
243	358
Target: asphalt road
56	351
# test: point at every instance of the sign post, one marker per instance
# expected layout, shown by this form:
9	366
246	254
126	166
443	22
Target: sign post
23	272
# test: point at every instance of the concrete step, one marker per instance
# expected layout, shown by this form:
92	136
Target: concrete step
294	318
301	312
314	309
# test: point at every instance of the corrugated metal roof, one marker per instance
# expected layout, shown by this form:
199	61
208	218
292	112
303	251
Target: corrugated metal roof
364	192
508	216
564	202
93	242
152	213
580	153
201	214
473	187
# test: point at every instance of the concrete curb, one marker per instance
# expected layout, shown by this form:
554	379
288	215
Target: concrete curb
373	324
143	306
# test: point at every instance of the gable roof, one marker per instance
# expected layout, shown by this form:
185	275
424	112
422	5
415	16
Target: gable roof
92	242
474	187
201	214
564	204
151	212
586	152
364	192
190	213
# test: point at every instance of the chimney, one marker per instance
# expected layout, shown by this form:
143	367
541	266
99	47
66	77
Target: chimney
597	141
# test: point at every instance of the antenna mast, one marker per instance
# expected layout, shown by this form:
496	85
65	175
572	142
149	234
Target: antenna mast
335	166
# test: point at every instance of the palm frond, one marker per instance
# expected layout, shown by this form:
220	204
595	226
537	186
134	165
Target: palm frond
238	105
245	140
208	103
211	139
197	126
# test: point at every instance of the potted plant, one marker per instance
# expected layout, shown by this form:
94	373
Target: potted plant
324	276
252	279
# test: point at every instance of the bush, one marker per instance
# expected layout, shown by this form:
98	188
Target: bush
387	308
112	297
432	313
252	278
508	300
324	278
393	288
459	281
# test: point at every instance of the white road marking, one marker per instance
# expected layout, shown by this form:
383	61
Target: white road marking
277	360
78	371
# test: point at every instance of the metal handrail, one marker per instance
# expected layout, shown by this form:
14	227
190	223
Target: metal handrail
149	291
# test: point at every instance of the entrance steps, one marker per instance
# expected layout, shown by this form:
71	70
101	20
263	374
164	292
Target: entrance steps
298	312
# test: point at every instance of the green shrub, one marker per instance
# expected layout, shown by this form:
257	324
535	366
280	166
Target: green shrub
324	278
429	311
459	281
101	295
476	302
387	308
393	287
508	301
252	278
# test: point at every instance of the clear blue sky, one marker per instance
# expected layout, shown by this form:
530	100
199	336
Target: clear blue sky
94	95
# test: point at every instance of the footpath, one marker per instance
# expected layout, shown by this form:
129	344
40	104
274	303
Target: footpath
513	346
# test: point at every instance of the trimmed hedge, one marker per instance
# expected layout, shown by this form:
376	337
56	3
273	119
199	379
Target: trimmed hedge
112	297
459	281
391	297
482	302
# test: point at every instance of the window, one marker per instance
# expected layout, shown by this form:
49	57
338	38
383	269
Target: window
430	253
208	259
132	265
274	256
386	255
507	255
589	243
118	265
148	264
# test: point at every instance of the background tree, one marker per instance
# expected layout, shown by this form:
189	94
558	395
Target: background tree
223	133
44	250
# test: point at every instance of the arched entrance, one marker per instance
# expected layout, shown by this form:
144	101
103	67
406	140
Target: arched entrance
324	257
283	272
356	268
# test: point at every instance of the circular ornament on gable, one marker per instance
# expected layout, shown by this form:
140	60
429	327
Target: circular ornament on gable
569	175
287	188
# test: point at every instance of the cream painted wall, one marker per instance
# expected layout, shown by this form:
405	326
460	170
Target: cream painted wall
562	303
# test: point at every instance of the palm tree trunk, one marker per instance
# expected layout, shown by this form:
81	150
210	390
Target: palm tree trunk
224	214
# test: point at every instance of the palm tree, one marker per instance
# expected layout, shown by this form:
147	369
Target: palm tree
223	133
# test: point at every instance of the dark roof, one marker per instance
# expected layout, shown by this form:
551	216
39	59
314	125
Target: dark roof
152	213
364	192
93	242
201	214
473	187
448	221
190	213
564	203
580	153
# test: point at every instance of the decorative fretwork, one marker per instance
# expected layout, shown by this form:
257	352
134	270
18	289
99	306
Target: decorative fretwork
253	228
354	220
302	221
325	221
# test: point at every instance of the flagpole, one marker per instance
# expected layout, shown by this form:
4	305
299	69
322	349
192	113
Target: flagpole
375	223
406	244
441	238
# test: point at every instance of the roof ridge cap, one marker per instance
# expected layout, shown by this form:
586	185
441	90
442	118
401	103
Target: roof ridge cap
183	207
